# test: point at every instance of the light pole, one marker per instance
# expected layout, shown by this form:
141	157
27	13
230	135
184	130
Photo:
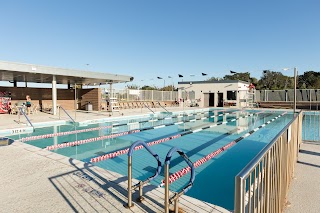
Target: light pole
295	89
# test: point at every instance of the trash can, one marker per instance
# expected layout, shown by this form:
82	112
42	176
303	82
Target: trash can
89	107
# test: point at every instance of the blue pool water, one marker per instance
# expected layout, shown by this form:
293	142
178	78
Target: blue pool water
311	126
214	181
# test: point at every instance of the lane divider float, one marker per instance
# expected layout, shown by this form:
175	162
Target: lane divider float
79	142
38	137
162	140
206	158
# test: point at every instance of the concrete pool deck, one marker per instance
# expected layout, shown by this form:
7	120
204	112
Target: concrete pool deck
37	180
304	191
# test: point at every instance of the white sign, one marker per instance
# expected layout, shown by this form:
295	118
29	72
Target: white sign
134	92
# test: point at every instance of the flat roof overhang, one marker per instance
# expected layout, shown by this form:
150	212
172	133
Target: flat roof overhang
19	72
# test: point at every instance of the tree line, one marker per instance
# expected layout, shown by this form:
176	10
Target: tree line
270	80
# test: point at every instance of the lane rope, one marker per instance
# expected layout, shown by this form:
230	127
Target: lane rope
177	175
162	140
79	142
38	137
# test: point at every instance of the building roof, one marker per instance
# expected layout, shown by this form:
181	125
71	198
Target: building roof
215	82
12	71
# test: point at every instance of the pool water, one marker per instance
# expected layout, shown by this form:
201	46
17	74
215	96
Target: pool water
311	126
214	181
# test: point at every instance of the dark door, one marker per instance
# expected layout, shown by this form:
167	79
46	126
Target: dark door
220	99
211	99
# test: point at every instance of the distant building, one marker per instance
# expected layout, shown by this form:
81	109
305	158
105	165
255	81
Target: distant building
214	93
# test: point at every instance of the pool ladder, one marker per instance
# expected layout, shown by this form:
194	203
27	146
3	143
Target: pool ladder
140	185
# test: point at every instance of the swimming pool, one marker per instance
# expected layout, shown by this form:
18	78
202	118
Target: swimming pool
214	181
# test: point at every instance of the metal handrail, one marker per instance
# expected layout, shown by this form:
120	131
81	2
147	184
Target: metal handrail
262	159
162	107
25	117
148	107
141	183
60	107
175	198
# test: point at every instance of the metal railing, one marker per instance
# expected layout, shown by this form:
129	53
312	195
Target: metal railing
22	112
141	183
147	107
175	197
262	186
303	95
60	107
162	107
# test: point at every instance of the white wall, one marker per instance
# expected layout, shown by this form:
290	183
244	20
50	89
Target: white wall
201	88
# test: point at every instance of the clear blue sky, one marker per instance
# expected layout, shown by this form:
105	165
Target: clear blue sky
148	38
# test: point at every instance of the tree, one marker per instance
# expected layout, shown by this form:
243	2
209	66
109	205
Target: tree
245	76
213	79
133	86
273	80
309	80
145	87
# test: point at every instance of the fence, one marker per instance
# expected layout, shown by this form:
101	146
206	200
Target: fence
141	95
303	95
262	186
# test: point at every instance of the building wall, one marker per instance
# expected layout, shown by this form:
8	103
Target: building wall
202	91
65	97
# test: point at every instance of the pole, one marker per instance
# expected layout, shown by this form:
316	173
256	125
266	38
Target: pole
54	95
75	101
295	91
166	190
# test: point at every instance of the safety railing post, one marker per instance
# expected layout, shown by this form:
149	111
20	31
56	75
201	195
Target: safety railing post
166	193
177	195
129	205
141	183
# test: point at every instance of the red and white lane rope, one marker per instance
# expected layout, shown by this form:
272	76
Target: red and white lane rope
206	158
37	137
78	142
74	143
162	140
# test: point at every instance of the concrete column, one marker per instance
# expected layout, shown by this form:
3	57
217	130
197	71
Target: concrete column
54	95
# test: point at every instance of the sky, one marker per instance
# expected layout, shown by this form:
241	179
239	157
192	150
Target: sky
147	39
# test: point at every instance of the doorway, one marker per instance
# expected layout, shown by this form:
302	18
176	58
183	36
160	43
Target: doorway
220	99
211	99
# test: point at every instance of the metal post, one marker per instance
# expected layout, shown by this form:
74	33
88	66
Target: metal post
129	204
310	99
166	192
176	206
75	101
295	91
54	95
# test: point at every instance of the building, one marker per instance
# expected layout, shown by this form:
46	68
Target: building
215	93
72	97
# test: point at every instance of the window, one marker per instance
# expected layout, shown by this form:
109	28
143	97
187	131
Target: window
231	95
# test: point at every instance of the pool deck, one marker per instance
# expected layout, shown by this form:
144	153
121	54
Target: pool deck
304	192
37	180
